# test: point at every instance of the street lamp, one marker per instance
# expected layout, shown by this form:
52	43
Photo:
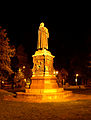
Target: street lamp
2	82
56	72
76	78
19	69
77	75
24	67
25	80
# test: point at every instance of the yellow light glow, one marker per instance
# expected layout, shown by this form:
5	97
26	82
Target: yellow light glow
56	72
77	75
19	69
25	80
3	82
24	67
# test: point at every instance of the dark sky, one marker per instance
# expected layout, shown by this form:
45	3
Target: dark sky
68	37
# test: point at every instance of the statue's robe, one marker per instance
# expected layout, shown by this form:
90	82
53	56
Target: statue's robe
43	36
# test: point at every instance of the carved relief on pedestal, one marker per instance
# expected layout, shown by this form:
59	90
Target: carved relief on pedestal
38	67
43	64
49	65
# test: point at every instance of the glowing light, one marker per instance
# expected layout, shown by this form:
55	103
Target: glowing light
56	72
3	82
25	80
77	75
75	80
24	67
19	69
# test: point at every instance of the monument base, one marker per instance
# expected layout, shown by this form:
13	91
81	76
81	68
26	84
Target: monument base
44	89
54	95
44	82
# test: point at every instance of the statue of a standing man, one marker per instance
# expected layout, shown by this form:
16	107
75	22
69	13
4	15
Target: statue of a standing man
43	36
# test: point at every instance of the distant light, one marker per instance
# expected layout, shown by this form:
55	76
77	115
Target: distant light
3	82
77	75
75	80
24	67
25	80
56	72
19	69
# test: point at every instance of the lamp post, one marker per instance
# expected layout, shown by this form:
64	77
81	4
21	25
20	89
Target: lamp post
24	67
19	69
76	78
25	80
56	72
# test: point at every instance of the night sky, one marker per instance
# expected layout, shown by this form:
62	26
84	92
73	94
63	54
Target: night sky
68	37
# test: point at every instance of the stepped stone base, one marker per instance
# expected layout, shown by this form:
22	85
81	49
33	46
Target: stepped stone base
44	89
44	95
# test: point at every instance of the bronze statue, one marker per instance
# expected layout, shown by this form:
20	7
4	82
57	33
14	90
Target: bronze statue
43	36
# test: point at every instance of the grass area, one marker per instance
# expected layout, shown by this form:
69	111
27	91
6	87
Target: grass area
72	110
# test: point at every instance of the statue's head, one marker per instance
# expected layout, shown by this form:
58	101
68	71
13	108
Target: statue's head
42	24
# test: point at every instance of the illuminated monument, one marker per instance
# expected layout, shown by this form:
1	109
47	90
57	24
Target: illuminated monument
43	72
44	86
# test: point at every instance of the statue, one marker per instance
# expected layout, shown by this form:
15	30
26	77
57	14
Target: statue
43	36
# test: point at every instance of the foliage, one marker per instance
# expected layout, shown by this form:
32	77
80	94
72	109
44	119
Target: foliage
19	79
79	65
6	52
62	76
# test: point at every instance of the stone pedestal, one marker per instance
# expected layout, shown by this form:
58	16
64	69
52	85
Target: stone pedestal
43	64
44	83
44	87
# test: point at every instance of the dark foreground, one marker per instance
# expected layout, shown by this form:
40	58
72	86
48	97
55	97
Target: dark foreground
72	110
78	108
